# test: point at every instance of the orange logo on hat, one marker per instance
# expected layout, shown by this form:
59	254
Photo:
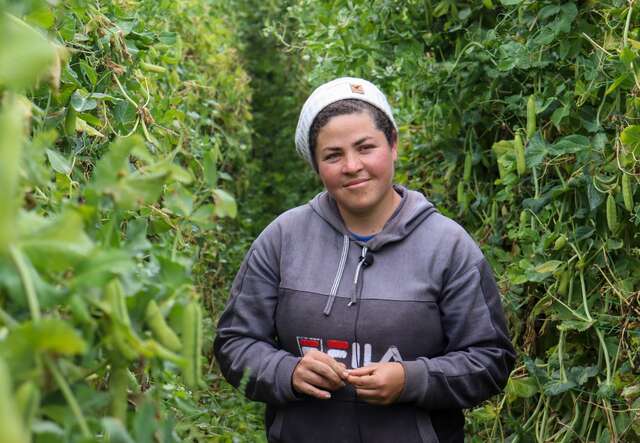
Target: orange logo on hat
356	88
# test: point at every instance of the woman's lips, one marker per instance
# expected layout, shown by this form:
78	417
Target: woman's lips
356	183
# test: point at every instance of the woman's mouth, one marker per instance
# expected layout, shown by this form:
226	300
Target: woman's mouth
356	183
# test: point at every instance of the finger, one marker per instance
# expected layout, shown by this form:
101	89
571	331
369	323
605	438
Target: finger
325	371
336	366
339	368
365	370
311	390
370	395
321	382
365	381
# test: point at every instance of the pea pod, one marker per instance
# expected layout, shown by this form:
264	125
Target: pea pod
120	321
192	340
79	310
150	67
161	330
118	383
627	192
494	213
70	122
560	242
114	293
612	213
12	429
122	344
462	197
468	164
28	400
524	218
531	116
521	165
563	283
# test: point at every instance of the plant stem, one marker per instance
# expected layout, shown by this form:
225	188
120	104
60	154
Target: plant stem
68	395
607	362
27	282
584	295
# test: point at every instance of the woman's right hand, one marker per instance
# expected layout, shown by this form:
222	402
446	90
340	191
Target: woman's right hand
317	373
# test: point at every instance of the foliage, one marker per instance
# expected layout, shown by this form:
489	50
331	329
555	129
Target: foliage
124	130
474	83
281	179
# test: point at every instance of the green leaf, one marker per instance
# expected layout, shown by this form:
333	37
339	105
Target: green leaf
536	150
89	72
179	200
617	82
210	167
594	196
82	101
168	38
525	387
203	216
115	431
47	335
58	162
144	422
559	114
556	387
55	243
225	204
100	267
581	375
42	17
25	54
569	13
115	177
575	325
11	143
570	145
549	266
631	138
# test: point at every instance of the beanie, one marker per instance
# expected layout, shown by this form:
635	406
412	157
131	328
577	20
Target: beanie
331	92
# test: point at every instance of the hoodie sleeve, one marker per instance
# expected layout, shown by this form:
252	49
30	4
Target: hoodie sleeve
246	340
478	356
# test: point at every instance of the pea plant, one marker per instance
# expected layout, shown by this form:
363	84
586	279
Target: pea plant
123	134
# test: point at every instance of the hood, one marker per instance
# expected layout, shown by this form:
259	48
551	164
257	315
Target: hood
413	209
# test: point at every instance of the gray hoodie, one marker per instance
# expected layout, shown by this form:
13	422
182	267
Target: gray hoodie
420	292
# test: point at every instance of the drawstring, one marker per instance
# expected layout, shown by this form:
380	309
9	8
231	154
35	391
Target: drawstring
336	281
355	279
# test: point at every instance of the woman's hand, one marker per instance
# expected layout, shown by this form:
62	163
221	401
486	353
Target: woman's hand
378	383
317	374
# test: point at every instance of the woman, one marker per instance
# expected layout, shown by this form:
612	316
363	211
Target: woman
364	315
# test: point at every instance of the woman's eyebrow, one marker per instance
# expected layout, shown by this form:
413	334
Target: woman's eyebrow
362	140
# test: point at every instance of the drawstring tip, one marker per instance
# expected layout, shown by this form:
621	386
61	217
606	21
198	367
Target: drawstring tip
352	302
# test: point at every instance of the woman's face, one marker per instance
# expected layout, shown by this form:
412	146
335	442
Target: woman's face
356	163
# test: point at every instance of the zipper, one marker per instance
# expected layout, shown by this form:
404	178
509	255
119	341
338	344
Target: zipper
361	263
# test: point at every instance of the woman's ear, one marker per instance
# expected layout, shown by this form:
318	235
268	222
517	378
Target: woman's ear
394	145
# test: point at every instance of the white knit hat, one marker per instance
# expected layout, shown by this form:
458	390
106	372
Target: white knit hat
333	91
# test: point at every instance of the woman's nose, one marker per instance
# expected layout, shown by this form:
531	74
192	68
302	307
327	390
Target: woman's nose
352	163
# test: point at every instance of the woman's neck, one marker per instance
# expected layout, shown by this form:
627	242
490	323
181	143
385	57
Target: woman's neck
372	221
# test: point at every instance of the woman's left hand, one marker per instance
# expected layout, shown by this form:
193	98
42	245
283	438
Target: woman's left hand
378	383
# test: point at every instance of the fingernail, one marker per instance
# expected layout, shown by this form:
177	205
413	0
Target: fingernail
327	395
345	374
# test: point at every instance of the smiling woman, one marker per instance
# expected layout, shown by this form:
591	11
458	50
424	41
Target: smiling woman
340	353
